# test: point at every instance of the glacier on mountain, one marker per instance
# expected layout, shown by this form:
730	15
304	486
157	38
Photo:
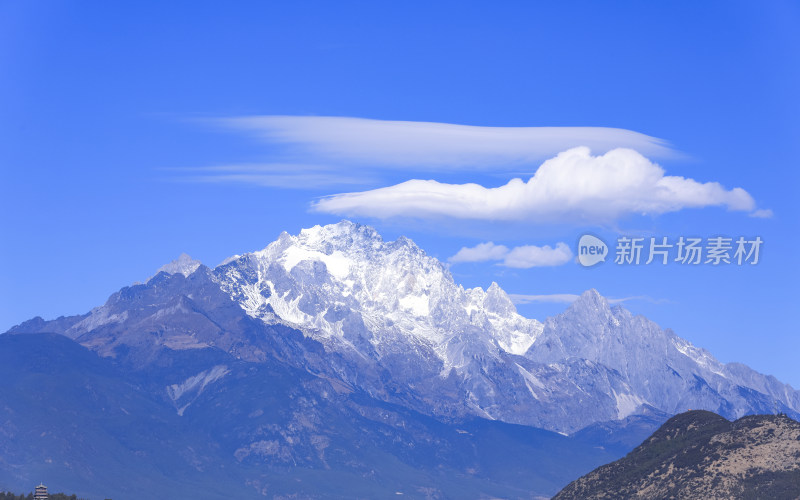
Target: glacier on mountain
328	280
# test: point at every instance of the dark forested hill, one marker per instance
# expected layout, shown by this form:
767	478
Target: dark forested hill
699	454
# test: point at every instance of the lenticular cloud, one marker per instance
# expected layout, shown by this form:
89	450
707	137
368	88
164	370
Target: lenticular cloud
407	145
573	186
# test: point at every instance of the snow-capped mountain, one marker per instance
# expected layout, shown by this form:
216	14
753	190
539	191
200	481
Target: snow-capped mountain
347	288
391	321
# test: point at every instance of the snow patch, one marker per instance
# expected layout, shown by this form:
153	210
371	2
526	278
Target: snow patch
531	381
627	404
337	263
417	304
98	317
195	385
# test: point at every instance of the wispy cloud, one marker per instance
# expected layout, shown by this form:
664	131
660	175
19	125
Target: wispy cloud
521	257
280	175
574	186
554	298
411	145
569	298
762	214
313	152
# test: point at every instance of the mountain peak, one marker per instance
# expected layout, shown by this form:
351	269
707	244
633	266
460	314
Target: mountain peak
498	301
590	300
184	265
348	239
342	230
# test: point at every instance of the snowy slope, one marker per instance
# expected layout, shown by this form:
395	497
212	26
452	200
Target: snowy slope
349	289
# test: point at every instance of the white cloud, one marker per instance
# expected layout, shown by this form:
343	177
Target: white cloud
408	145
573	186
532	256
522	257
480	253
763	214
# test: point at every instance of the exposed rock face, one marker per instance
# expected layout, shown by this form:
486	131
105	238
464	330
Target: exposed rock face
661	369
699	454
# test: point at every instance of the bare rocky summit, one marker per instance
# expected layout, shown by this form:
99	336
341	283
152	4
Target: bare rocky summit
699	454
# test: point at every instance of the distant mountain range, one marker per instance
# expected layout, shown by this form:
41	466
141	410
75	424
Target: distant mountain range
333	346
699	454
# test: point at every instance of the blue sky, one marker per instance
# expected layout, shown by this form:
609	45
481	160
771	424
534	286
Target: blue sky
134	132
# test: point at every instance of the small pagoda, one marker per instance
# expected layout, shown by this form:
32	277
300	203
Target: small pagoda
40	493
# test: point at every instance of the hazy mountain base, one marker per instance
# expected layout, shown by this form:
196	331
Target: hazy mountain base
99	428
699	454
